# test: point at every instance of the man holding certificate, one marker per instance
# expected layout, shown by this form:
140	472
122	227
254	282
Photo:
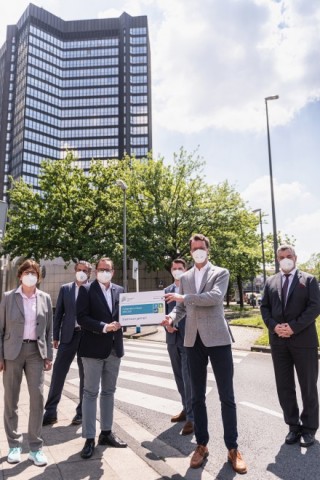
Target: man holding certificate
207	335
101	349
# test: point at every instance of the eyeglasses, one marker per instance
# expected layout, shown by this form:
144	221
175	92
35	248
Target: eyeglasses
104	270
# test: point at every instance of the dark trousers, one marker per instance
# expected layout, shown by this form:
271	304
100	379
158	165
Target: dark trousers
222	365
65	356
286	359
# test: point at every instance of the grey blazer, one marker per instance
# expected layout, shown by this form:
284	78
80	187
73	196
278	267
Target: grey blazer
12	325
204	311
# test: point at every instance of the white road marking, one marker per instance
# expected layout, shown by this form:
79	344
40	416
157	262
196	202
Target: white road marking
150	402
262	409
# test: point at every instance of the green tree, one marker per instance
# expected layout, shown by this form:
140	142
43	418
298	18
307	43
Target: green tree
76	215
312	265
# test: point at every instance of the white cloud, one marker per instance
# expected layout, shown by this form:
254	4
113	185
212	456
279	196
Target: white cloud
297	212
259	192
213	66
306	229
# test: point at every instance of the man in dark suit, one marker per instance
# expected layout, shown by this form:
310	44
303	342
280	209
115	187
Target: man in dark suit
178	354
66	338
101	349
289	308
207	336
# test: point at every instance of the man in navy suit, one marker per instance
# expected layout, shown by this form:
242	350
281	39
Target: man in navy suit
178	354
289	308
101	349
66	338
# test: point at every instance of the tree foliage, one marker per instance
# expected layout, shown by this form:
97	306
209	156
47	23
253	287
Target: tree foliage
312	265
79	214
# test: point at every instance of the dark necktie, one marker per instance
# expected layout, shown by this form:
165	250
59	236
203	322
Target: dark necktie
285	289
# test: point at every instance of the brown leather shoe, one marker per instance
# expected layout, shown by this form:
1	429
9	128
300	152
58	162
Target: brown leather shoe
187	428
236	460
181	417
199	456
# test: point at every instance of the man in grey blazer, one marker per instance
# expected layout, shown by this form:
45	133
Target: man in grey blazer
200	300
289	308
66	338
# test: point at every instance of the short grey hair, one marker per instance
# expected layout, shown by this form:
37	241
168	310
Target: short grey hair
286	247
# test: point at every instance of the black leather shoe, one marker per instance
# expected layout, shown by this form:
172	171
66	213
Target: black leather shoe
292	437
111	439
49	420
88	448
77	419
307	439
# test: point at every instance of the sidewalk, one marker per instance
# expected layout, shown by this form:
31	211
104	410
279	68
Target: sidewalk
63	441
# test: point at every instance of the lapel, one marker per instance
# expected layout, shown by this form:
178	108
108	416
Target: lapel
279	285
294	282
113	297
19	303
38	303
206	276
192	280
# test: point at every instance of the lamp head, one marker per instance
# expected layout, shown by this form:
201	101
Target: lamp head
273	97
121	184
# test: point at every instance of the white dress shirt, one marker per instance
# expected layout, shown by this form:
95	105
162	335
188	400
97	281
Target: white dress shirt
198	275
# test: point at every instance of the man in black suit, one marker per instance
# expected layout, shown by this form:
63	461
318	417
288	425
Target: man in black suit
177	353
289	308
101	349
66	338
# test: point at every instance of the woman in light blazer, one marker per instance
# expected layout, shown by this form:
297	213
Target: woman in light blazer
25	347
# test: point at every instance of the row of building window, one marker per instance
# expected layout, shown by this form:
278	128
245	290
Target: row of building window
59	130
138	31
101	42
73	102
138	140
78	63
47	152
79	82
84	72
138	40
84	92
89	122
80	53
139	152
87	133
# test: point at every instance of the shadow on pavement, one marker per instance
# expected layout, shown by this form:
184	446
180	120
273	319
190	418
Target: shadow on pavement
295	463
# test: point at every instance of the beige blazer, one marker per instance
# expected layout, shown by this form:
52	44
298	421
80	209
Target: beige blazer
204	310
12	325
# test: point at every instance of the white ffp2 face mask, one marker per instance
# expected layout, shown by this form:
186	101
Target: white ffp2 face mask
81	276
199	256
29	280
177	274
286	264
104	277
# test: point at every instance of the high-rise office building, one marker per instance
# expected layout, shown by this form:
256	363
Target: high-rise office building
79	85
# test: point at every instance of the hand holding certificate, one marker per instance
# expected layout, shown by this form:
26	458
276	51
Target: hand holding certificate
141	308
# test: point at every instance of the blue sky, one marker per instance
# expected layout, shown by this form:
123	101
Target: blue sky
213	63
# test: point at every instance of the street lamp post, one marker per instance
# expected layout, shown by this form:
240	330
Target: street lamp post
124	187
262	246
275	240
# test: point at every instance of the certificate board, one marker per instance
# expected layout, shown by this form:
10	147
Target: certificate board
141	308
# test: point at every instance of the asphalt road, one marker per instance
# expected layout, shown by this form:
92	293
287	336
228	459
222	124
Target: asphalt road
146	395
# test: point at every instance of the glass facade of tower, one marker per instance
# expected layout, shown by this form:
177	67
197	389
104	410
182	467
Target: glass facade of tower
82	85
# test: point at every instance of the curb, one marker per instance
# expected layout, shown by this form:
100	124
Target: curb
133	335
260	349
